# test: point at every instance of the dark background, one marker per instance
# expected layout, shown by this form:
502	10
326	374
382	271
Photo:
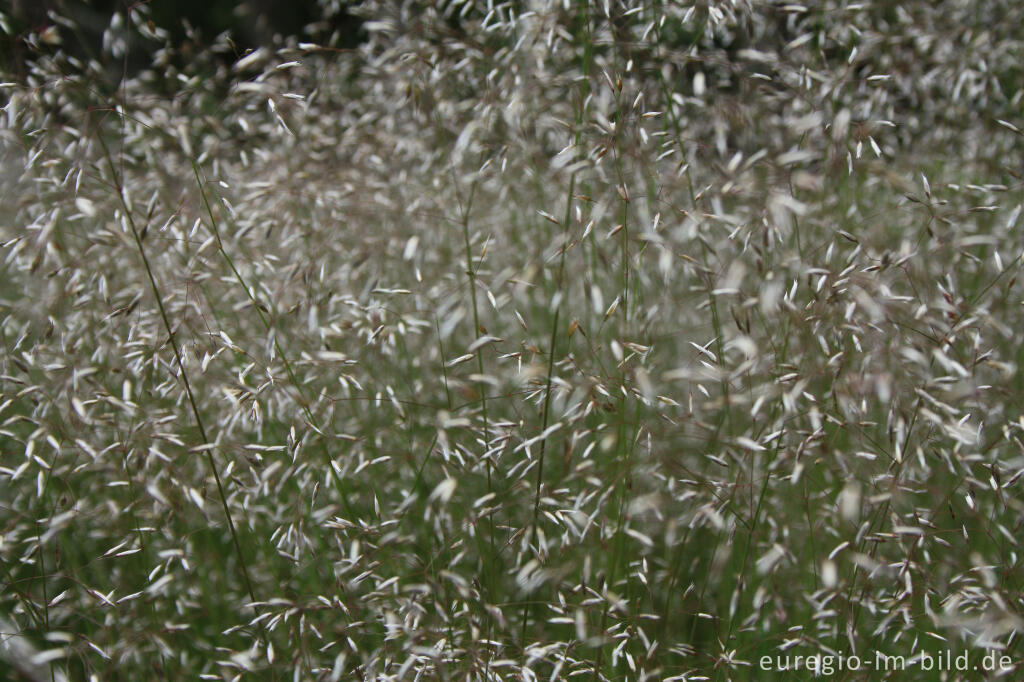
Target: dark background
250	24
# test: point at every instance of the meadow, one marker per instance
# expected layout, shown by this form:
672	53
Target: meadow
525	341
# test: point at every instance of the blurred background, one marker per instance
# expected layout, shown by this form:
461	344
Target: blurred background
78	26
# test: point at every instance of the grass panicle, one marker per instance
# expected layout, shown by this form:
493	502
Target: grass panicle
532	341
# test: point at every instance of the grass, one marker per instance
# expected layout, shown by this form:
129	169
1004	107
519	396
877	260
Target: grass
518	343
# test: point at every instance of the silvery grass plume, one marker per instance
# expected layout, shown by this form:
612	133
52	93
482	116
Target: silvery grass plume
526	341
24	659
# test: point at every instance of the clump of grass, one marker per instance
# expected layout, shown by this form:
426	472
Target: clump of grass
636	341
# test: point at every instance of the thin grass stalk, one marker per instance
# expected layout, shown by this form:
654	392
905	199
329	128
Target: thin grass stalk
208	446
304	401
549	382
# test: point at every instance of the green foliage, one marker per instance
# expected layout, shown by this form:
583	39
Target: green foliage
525	340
